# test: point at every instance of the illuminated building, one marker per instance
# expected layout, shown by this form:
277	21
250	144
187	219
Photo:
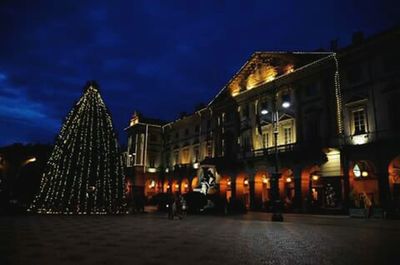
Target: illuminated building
335	117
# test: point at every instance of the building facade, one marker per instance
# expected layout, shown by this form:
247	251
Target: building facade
326	122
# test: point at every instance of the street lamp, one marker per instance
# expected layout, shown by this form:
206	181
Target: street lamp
17	177
276	201
286	101
264	108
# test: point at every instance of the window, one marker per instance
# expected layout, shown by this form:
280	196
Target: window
391	63
311	90
359	121
357	171
209	149
394	112
185	156
265	138
208	124
246	143
152	161
197	128
288	135
222	147
153	138
176	157
355	74
196	154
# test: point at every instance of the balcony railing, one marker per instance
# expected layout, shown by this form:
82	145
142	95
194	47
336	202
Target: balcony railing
268	151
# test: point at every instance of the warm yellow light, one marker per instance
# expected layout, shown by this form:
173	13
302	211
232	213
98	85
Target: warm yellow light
263	74
289	69
151	170
186	186
315	177
246	182
265	180
176	186
289	179
360	139
168	186
30	160
152	184
196	165
134	121
364	173
229	182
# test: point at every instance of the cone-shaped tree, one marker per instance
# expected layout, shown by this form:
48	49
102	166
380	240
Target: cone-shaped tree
84	173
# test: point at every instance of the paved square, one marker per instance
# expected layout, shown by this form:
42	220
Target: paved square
153	239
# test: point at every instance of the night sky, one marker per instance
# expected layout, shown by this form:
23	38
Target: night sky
159	57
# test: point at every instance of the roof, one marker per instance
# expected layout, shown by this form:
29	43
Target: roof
265	66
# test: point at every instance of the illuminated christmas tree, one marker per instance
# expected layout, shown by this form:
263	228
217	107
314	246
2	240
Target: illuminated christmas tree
84	174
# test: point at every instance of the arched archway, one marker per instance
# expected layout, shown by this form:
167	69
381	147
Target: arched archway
150	188
195	183
312	186
166	187
175	186
225	184
243	188
262	189
394	181
363	182
184	186
287	187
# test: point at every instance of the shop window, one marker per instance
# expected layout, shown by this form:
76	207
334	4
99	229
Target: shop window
359	121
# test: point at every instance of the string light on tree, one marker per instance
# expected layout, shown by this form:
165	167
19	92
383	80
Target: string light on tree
85	172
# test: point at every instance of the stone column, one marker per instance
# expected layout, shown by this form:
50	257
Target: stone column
298	196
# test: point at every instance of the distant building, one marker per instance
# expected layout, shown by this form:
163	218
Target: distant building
327	121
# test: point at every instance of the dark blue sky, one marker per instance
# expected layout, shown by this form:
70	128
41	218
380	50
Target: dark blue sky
160	57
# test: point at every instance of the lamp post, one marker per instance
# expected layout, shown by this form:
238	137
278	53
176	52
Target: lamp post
276	201
13	194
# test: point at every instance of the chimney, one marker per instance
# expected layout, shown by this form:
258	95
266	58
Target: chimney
358	38
334	45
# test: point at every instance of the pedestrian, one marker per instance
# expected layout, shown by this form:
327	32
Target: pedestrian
367	205
170	205
178	205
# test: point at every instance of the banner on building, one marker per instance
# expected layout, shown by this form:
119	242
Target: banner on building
208	179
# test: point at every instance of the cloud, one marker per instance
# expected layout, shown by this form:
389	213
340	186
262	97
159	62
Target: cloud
18	111
150	55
